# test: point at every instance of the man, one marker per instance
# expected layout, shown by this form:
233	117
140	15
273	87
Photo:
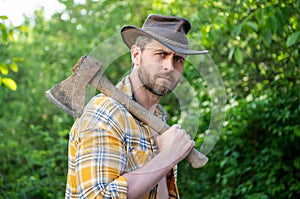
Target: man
111	153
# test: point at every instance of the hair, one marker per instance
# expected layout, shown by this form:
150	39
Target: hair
142	41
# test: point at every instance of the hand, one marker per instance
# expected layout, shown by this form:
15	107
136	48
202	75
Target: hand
175	142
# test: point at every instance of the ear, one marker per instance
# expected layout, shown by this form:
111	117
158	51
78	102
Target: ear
135	55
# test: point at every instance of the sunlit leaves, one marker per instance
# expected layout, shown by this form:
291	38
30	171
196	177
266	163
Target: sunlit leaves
14	67
3	69
3	17
10	35
10	83
8	63
3	33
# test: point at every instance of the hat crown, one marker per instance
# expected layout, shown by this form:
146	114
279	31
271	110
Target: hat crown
168	22
168	30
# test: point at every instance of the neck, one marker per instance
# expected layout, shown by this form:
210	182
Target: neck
143	96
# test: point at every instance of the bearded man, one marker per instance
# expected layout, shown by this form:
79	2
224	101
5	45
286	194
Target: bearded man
111	153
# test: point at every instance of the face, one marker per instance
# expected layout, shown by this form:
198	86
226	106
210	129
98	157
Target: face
159	68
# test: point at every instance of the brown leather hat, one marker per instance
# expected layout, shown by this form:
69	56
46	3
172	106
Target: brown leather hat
169	30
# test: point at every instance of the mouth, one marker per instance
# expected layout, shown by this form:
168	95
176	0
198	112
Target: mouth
165	78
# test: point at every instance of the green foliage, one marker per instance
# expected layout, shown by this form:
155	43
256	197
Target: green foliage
256	47
258	151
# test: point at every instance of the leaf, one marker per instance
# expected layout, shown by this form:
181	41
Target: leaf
267	38
3	69
297	162
238	56
22	28
11	36
236	30
297	130
4	37
280	20
292	39
252	25
273	23
282	56
3	27
14	67
231	53
3	17
10	83
18	59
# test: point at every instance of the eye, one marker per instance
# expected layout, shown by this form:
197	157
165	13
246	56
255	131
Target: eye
179	59
162	54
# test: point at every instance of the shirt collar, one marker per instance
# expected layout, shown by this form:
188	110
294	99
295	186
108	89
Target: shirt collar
125	86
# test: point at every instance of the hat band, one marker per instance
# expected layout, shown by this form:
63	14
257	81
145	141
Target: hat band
175	43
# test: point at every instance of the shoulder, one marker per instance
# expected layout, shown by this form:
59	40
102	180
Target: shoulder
102	104
102	112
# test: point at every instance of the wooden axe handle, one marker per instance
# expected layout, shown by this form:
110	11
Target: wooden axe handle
101	83
69	95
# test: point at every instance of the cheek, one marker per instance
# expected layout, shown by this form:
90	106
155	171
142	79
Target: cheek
177	76
179	70
179	67
153	65
149	66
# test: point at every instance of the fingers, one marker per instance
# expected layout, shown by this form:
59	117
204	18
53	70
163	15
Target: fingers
181	132
176	143
175	136
177	126
184	138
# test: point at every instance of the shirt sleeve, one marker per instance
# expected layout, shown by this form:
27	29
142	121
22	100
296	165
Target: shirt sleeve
100	151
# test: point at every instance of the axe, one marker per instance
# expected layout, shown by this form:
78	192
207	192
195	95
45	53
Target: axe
69	95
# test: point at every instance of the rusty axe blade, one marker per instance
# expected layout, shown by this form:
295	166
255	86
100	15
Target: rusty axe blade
69	95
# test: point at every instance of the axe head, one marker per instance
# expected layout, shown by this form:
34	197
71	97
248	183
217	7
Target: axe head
69	95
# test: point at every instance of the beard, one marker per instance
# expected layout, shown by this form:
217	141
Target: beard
155	88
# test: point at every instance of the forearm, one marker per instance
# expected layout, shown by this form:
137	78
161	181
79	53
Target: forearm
145	178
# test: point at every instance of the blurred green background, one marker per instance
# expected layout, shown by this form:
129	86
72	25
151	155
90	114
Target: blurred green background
255	45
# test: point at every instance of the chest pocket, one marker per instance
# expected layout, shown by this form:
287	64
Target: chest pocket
141	148
137	158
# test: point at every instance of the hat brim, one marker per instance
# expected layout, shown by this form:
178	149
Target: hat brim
130	33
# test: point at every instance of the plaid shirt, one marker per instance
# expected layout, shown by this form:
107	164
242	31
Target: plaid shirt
106	142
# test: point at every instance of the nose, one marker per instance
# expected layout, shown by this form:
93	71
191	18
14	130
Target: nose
168	63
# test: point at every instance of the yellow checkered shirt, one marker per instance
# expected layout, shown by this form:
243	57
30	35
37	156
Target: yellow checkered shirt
106	142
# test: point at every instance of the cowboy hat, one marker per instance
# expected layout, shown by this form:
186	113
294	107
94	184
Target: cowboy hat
168	30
